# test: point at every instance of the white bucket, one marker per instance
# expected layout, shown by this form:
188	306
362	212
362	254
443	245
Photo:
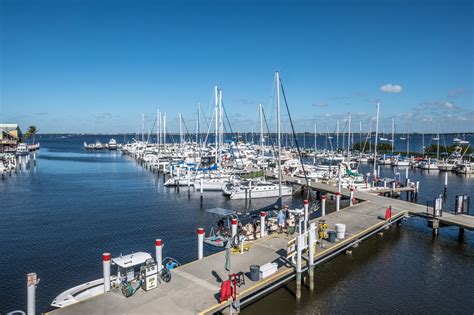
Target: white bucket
340	230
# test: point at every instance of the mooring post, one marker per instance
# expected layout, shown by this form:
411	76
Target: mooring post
159	253
234	228
31	282
201	189
106	266
445	182
338	201
299	253
200	243
34	158
262	223
306	214
417	189
351	201
311	244
323	205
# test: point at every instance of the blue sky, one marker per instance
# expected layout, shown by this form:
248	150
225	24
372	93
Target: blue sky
95	66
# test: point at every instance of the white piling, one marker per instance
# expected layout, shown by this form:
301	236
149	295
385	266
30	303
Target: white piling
306	214
338	201
323	205
201	190
406	172
200	243
299	253
32	281
311	244
445	180
159	253
234	228
262	223
106	264
351	201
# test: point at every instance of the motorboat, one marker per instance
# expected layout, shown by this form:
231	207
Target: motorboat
112	145
128	269
22	149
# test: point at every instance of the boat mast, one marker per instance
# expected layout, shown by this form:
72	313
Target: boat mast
164	129
261	126
337	135
216	108
408	137
158	127
277	74
349	136
376	137
437	148
315	138
180	129
143	127
393	134
221	126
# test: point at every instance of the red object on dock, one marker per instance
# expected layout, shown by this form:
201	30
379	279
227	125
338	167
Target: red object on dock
388	213
226	290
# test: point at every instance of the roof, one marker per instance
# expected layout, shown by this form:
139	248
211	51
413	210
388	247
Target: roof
221	211
131	259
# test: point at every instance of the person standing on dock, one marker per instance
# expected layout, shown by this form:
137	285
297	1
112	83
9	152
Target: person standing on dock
281	220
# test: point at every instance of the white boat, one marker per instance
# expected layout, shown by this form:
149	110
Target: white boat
112	145
211	184
257	189
22	149
126	270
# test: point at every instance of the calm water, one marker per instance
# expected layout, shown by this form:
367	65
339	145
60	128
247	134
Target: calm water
60	216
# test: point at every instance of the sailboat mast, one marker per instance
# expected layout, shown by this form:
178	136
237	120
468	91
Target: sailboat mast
315	138
376	137
349	136
216	108
164	129
278	131
393	134
337	135
261	126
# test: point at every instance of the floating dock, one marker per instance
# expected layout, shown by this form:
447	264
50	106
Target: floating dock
194	287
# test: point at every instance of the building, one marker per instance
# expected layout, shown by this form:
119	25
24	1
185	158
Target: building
10	136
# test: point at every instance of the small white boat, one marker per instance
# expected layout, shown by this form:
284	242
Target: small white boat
112	145
126	270
22	149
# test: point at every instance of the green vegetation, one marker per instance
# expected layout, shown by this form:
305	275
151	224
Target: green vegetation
364	147
31	133
433	149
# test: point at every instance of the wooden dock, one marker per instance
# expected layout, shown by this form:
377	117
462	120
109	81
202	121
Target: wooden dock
194	287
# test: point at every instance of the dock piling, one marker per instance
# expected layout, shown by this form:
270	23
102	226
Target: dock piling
299	253
445	182
159	253
351	201
311	245
306	214
262	223
200	243
32	281
234	228
323	205
106	265
338	201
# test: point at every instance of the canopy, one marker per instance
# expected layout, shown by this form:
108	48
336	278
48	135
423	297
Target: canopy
131	260
221	212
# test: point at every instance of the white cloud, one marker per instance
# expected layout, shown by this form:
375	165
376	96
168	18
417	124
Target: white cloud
448	105
391	88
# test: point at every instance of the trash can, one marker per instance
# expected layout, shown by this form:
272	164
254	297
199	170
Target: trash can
332	236
254	272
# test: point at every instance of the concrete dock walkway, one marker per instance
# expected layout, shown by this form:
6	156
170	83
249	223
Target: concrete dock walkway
194	287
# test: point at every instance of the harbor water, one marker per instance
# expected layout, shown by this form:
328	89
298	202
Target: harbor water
59	216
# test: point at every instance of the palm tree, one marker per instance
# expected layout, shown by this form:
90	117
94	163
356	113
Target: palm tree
31	133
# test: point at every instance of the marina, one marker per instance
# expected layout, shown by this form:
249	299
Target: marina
368	207
236	157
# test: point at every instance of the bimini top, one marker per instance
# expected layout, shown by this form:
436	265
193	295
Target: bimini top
221	212
131	260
